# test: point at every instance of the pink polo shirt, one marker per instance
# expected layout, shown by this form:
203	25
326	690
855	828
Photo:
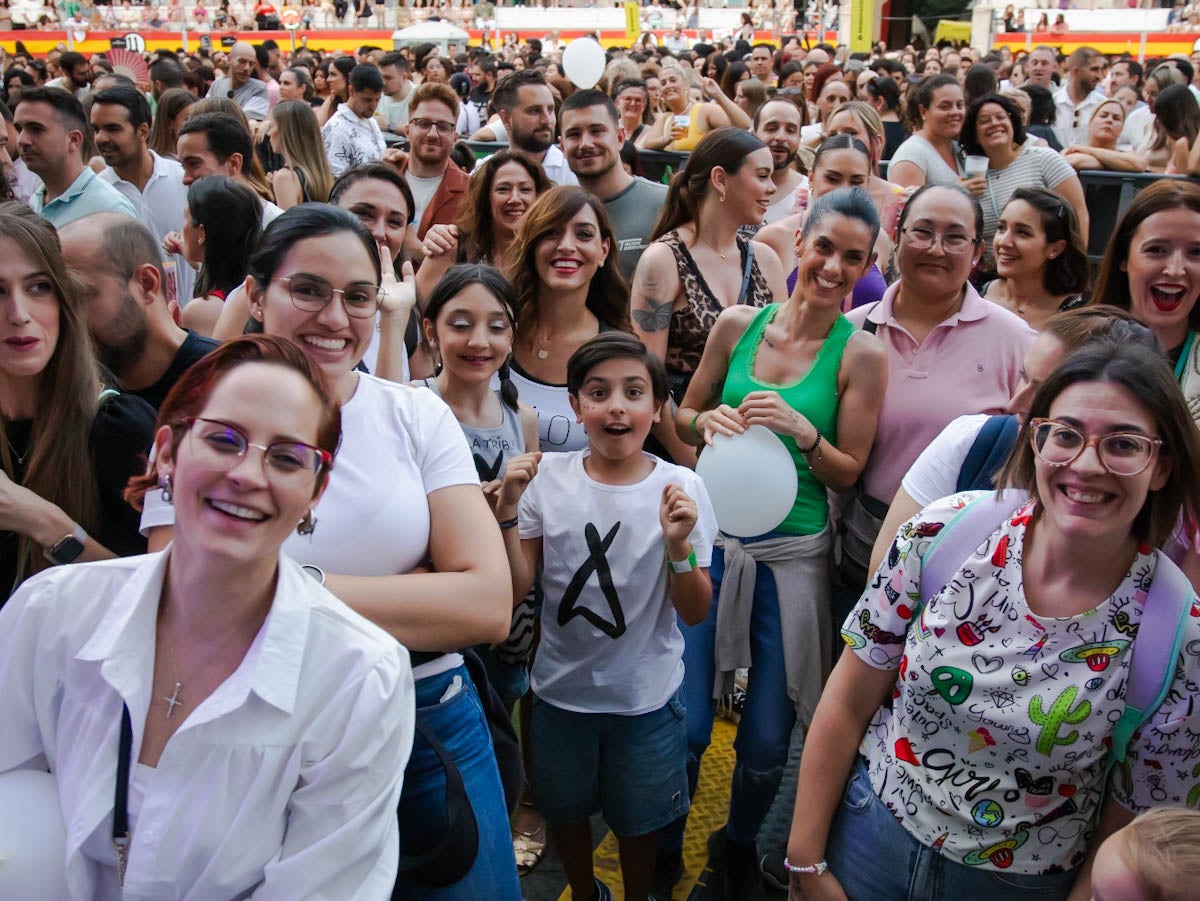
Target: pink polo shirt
971	363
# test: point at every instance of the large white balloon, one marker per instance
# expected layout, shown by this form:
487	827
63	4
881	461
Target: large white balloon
751	481
583	62
33	840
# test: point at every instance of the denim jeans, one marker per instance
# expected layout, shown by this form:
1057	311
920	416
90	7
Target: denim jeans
767	718
875	858
460	725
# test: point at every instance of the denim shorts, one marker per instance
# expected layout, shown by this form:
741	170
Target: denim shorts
630	768
876	859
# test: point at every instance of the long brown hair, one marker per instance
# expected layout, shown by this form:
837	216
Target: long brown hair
475	223
1112	285
724	147
59	467
300	141
173	101
608	296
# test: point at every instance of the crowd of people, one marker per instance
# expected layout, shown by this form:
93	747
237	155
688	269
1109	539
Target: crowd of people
332	451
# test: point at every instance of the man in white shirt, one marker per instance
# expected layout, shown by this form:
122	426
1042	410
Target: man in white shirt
1076	99
760	63
76	75
392	114
777	124
676	42
1040	66
1129	73
352	136
526	107
246	91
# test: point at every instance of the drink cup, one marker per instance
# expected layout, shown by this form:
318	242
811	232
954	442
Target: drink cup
975	165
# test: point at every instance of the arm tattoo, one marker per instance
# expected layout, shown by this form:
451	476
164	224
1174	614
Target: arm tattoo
655	319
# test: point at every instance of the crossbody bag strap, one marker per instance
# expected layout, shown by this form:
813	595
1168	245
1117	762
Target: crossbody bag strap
868	326
120	830
747	268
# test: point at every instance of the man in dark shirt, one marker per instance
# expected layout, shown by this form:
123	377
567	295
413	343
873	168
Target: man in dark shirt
119	266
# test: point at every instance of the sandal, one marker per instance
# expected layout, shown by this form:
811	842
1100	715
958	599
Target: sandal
528	847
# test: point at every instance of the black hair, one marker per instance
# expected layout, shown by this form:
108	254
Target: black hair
969	137
1067	273
922	96
365	78
70	60
586	98
1042	110
223	134
884	87
231	214
67	109
1135	69
980	82
840	142
456	280
262	57
399	60
167	72
615	346
851	202
505	95
137	108
957	189
377	172
305	220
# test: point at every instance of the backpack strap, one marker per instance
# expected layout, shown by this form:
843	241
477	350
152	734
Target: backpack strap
958	538
1155	650
868	326
988	453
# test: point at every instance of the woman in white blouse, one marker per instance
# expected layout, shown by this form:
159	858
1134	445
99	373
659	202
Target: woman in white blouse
263	726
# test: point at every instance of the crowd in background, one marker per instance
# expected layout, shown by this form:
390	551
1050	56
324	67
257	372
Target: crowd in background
406	429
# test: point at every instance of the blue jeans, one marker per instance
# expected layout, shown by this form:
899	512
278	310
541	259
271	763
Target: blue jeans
767	719
460	725
875	858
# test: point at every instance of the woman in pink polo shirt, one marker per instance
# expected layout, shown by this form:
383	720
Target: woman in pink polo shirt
950	352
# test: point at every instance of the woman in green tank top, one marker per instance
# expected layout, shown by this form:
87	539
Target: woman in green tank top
800	369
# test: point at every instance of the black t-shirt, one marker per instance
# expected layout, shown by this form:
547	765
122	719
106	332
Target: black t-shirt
122	434
479	98
192	349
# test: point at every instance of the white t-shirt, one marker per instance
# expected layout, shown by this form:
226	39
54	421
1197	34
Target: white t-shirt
559	429
610	640
934	474
423	190
399	444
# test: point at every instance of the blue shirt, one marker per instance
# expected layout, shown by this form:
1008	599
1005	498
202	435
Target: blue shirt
87	194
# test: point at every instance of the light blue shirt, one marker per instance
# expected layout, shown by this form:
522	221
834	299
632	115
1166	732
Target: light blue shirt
87	194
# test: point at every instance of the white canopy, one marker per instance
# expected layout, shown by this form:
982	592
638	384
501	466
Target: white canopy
439	32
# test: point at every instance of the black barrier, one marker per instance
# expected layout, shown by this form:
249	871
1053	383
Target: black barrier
1107	195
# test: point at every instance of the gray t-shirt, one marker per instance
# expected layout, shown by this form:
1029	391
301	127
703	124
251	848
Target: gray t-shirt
921	153
251	97
633	213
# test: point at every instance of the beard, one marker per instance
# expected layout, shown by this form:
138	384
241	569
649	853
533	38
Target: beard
791	158
124	340
531	142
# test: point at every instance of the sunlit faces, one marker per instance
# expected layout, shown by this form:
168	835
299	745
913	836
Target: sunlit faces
513	190
833	94
617	407
43	141
568	256
245	511
931	271
426	142
846	123
779	123
334	340
1127	96
831	259
1118	78
1090	75
748	191
116	139
1082	499
473	334
193	239
28	314
631	102
198	161
1106	123
381	207
1043	358
337	83
674	87
1040	66
1020	243
289	86
945	113
589	141
531	122
993	128
1164	272
839	169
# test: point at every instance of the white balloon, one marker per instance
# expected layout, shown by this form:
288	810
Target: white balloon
33	839
583	62
751	481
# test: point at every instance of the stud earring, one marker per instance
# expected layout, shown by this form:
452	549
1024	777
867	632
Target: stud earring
164	483
308	525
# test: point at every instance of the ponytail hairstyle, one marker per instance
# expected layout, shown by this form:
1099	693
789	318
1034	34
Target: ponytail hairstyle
922	96
456	280
852	202
726	148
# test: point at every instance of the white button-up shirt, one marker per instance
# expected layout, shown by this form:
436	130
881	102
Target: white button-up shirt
161	203
1071	119
282	783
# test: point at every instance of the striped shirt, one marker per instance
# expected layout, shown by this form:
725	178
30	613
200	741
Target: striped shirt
1034	167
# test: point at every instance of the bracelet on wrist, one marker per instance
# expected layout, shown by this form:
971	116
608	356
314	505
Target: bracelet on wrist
815	870
816	443
694	420
508	523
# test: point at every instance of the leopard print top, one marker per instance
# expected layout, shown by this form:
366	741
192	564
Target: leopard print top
690	325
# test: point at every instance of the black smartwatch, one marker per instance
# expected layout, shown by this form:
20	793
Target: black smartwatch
68	549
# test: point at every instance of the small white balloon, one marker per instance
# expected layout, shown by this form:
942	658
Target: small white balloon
33	839
751	481
583	62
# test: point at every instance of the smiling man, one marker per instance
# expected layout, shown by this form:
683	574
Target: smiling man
777	124
591	138
526	107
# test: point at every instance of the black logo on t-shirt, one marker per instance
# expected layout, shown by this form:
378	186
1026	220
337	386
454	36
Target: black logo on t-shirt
596	563
488	472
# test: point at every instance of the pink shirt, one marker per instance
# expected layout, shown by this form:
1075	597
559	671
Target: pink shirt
971	363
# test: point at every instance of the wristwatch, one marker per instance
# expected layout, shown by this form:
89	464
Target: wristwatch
68	548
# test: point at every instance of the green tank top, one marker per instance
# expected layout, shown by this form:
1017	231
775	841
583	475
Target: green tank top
814	396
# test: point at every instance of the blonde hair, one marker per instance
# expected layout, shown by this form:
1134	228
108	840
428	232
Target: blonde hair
1162	849
303	150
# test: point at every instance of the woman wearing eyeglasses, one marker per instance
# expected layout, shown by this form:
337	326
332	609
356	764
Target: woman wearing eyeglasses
263	727
950	352
986	715
402	536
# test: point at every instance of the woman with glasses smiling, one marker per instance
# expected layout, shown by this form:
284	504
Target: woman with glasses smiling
989	709
403	535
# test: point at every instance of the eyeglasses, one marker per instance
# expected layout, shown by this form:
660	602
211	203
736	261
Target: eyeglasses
920	238
223	445
1121	453
312	295
443	128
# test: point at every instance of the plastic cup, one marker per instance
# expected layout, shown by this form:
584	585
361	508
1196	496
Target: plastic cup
975	165
683	122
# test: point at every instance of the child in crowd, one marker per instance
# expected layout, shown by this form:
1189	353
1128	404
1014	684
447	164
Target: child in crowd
1154	858
624	540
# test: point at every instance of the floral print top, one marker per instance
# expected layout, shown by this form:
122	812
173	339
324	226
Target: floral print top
994	748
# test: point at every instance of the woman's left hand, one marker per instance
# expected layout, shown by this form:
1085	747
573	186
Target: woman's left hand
976	185
711	89
767	408
676	513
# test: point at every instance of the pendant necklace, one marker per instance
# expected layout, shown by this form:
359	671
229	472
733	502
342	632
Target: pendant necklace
19	457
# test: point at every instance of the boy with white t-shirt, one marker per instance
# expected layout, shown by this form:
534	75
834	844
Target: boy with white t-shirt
625	541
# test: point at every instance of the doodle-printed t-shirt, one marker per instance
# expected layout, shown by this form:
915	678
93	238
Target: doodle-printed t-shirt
994	750
610	642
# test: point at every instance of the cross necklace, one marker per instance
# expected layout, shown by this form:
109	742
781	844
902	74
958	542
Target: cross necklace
173	700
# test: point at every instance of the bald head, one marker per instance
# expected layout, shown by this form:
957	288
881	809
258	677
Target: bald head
242	63
110	243
818	56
